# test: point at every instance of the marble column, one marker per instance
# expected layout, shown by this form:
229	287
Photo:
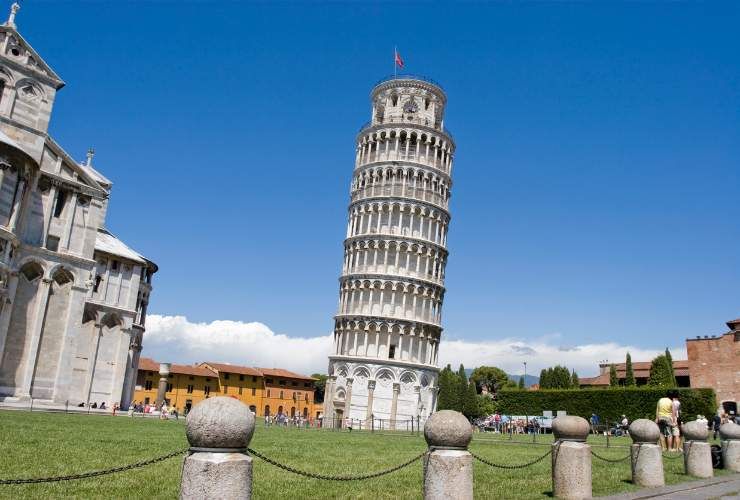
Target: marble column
164	371
42	299
394	404
348	399
370	393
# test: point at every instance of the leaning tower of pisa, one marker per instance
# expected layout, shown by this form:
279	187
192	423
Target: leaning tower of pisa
388	324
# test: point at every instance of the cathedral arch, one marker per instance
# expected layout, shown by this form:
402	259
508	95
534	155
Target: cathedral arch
31	270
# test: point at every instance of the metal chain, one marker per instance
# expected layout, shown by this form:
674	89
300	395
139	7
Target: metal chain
510	467
96	473
610	460
333	478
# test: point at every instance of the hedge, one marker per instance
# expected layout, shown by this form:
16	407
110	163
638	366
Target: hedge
610	404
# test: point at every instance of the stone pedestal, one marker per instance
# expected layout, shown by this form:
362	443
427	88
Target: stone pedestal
219	430
217	476
731	455
448	466
571	458
697	459
646	454
647	465
449	475
571	470
730	436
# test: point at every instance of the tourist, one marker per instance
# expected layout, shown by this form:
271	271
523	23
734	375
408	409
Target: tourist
131	409
664	419
94	405
716	422
594	423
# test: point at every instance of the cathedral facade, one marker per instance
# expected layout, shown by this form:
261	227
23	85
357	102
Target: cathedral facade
73	297
388	326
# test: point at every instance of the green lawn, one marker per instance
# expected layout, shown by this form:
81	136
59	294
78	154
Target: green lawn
43	444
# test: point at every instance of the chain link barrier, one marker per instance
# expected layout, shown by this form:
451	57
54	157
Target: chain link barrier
610	460
324	477
511	467
85	475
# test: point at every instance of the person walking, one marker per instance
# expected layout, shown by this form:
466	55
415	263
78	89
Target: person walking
664	419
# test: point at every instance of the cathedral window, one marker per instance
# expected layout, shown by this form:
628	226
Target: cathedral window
392	352
59	203
96	286
52	243
148	385
114	265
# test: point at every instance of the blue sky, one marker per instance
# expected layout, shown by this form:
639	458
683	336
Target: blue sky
596	178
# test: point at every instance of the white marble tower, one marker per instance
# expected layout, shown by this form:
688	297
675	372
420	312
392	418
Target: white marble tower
388	326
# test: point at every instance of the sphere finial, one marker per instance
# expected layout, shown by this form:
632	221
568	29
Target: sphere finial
570	428
448	429
220	422
729	431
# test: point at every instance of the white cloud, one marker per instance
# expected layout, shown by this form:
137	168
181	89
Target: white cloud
175	339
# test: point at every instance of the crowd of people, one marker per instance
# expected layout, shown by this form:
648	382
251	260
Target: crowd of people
283	420
505	424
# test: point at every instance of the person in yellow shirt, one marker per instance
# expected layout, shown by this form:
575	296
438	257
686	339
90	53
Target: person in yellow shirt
664	419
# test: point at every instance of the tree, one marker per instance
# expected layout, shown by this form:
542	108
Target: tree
544	379
520	385
613	379
669	361
660	374
556	377
629	375
447	397
319	385
470	408
462	388
574	382
492	378
486	405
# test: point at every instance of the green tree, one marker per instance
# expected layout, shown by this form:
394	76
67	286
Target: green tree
629	375
447	397
669	362
520	385
660	374
574	382
471	409
320	386
613	378
486	405
462	388
544	379
491	377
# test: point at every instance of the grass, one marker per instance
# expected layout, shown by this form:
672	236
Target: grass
43	444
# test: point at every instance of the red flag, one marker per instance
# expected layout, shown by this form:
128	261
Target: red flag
399	61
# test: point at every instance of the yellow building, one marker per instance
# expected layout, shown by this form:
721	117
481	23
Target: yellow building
267	391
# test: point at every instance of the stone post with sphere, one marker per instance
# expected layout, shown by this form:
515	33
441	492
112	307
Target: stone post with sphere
646	454
164	372
571	458
697	453
730	436
219	430
448	465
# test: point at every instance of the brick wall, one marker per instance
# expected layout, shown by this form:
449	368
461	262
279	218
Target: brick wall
715	362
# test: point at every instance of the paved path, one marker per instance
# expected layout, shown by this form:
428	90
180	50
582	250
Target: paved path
723	487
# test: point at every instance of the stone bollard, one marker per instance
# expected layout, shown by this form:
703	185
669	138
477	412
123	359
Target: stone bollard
219	430
730	435
448	468
646	454
571	458
697	454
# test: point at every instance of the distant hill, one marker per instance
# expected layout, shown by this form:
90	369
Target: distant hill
529	381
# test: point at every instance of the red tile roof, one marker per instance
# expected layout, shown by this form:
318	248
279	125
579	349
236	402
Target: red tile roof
641	369
279	372
148	364
227	368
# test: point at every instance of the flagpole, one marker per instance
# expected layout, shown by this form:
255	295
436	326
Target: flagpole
395	54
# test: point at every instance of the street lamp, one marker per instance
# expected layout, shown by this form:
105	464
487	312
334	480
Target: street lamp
525	375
